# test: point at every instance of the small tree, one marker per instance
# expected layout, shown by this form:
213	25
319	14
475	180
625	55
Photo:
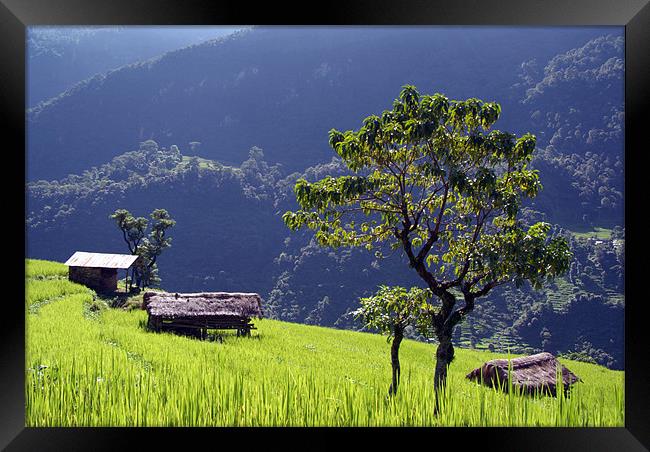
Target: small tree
390	311
155	244
133	231
149	248
432	180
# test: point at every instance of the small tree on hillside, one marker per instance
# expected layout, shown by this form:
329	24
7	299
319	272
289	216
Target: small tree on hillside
433	181
149	248
133	231
390	311
154	245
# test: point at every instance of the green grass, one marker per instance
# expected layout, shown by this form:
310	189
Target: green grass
107	370
597	233
46	282
36	268
203	162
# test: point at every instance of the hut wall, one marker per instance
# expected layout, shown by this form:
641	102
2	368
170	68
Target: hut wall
99	279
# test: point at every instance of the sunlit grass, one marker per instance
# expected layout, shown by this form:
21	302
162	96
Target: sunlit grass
596	233
36	268
109	371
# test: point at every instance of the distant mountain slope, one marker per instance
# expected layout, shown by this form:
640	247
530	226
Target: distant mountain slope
58	57
282	89
577	102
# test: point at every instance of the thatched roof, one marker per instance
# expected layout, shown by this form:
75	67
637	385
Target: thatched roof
531	373
206	304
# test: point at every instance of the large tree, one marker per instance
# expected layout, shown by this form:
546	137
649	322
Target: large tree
429	177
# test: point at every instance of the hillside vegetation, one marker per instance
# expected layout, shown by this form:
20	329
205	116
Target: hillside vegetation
90	365
283	88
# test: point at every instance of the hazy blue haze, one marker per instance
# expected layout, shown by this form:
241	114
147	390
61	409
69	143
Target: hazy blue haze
59	57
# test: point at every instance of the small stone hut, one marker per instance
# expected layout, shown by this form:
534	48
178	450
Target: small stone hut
195	313
98	270
531	374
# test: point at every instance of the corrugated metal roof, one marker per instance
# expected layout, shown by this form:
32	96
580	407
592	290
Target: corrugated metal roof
101	260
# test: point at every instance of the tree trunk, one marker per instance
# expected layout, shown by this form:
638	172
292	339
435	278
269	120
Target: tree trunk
443	323
444	356
394	358
133	277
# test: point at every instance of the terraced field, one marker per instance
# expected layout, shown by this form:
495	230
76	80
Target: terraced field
91	365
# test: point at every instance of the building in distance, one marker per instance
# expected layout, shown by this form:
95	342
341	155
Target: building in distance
98	270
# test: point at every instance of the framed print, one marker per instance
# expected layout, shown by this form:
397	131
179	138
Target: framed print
372	215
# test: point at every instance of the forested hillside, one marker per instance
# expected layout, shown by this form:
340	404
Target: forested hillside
59	57
282	89
218	133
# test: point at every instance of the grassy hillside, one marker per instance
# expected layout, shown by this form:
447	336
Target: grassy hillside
89	365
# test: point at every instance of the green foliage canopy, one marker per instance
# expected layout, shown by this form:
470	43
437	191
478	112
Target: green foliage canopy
430	177
394	308
150	247
133	229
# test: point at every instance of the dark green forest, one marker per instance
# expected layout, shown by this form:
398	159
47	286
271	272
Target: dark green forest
218	133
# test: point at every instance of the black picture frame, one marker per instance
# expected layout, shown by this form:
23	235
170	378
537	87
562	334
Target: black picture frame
16	15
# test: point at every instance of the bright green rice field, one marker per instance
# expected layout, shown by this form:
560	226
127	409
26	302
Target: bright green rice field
102	368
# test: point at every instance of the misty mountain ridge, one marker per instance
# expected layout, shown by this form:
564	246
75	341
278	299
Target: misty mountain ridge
59	57
281	89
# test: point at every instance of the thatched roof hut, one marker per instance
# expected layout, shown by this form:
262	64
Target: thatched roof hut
205	310
174	305
534	373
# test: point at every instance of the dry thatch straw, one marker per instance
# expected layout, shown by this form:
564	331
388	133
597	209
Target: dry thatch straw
206	304
531	374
